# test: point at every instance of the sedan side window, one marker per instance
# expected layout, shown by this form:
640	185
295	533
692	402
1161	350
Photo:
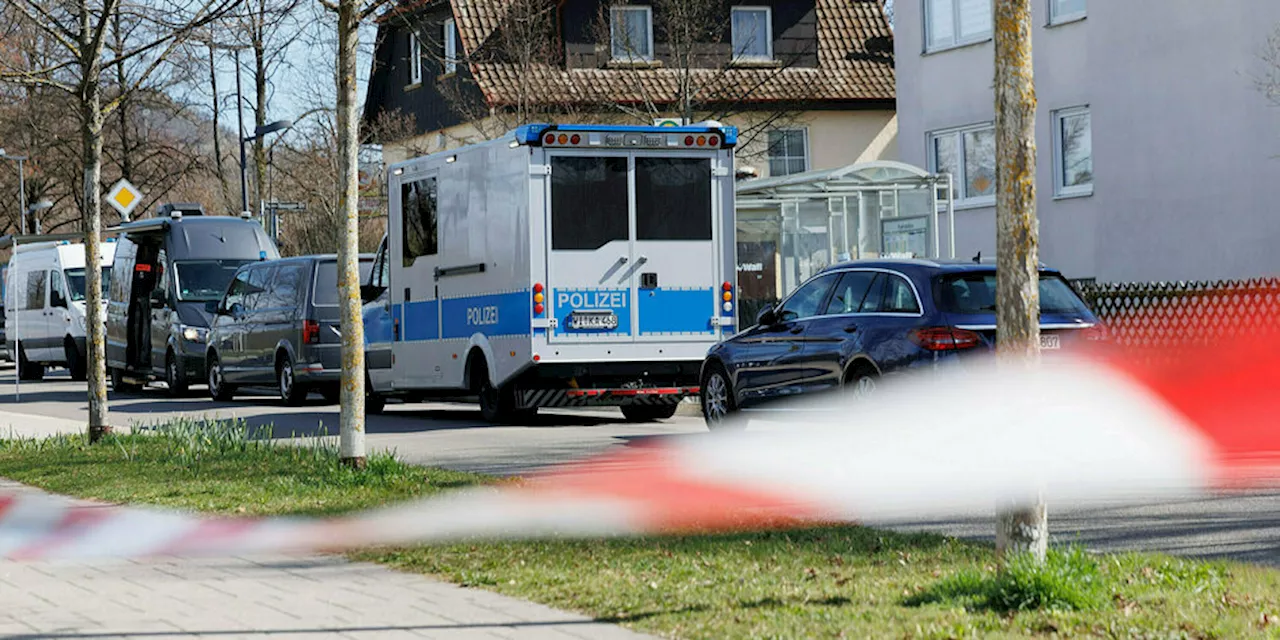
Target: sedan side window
891	294
850	292
808	300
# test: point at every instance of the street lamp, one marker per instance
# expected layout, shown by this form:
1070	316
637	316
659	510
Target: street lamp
37	207
258	133
22	189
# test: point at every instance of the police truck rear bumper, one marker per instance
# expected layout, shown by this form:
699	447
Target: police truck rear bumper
657	396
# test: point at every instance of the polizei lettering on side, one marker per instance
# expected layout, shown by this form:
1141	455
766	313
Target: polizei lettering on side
482	316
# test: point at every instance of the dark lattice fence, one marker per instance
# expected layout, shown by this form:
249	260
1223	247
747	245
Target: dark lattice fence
1153	320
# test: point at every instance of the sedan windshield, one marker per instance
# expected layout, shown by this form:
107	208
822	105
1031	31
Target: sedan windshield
75	282
975	293
204	280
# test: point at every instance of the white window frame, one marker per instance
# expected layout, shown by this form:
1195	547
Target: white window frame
808	153
959	181
613	24
956	40
1062	18
415	58
1060	189
450	47
768	28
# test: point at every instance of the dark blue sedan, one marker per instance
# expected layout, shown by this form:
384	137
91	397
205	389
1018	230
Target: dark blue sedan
855	322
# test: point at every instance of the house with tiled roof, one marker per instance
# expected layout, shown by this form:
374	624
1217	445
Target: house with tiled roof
810	82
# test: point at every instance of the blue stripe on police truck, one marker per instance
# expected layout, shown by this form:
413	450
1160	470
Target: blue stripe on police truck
566	301
421	321
682	311
502	314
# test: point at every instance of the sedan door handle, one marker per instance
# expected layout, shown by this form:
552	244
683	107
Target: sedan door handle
795	330
853	328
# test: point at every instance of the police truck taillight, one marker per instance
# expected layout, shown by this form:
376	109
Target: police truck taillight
310	332
945	339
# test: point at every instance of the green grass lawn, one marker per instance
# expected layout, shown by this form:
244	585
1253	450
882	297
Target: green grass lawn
837	581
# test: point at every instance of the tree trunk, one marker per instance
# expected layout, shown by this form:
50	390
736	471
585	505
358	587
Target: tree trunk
91	140
351	443
1022	528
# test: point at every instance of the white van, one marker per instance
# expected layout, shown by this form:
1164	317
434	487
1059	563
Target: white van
44	306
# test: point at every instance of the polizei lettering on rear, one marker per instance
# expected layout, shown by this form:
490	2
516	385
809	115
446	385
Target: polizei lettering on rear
592	299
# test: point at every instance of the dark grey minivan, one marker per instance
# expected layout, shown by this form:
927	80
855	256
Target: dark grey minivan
278	325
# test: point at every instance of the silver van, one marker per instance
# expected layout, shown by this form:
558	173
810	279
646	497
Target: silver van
279	326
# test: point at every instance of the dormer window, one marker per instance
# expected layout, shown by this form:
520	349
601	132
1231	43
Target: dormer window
631	32
752	33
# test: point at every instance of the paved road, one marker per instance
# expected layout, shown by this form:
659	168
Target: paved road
440	434
454	436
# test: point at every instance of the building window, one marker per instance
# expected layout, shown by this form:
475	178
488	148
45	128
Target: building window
1073	152
788	151
415	59
1065	10
631	32
450	47
951	23
969	155
752	33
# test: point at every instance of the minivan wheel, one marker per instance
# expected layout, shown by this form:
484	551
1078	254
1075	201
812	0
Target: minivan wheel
716	394
28	370
175	375
292	392
219	390
75	362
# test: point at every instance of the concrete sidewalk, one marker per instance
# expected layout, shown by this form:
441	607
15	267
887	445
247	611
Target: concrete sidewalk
291	597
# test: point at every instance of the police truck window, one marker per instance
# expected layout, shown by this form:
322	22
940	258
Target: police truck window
588	202
419	206
673	199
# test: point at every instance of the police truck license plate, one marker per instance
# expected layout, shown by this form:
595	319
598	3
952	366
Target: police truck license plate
1050	342
605	320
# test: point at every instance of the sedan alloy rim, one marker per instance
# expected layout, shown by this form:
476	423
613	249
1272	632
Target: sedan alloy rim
716	398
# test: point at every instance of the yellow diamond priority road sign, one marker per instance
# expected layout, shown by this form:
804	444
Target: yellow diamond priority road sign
124	197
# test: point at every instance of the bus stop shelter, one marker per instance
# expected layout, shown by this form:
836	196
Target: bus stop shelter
790	227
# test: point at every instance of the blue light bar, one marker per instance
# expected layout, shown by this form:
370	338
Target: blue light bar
532	133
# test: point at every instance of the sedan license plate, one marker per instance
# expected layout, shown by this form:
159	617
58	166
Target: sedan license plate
1050	342
593	320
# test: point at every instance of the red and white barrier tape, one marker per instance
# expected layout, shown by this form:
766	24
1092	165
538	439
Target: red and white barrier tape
1077	430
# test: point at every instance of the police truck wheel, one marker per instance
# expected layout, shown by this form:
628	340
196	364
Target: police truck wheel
219	390
497	405
648	413
175	375
293	393
28	370
75	362
118	383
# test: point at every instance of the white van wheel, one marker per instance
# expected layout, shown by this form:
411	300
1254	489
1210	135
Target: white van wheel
75	362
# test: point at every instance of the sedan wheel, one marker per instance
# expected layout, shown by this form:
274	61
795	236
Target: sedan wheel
862	385
718	405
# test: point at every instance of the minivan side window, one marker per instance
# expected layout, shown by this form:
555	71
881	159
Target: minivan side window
808	299
35	289
287	286
256	295
235	293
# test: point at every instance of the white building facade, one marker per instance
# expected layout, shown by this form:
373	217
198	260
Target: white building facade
1158	145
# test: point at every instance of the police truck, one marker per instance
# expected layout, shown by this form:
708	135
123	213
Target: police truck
557	266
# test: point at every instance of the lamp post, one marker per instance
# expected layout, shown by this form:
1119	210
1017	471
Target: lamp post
258	133
35	208
22	190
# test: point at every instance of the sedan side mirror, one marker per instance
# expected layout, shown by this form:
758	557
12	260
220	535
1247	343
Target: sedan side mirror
767	316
